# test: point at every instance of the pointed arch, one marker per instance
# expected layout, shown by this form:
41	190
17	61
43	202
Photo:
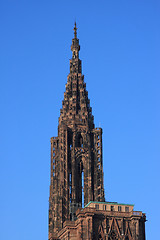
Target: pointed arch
101	233
114	228
128	233
80	181
114	231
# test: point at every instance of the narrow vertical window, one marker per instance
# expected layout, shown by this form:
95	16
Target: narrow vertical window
127	209
104	207
112	208
82	189
119	208
97	207
70	187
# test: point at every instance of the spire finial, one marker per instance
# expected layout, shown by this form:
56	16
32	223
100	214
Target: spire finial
75	30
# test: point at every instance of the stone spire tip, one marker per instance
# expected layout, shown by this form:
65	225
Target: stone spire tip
75	30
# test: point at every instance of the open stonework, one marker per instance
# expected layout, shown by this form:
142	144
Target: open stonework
77	207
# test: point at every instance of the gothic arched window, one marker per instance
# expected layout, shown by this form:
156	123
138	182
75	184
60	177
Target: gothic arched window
79	140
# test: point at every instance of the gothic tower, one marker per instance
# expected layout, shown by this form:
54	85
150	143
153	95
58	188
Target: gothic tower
77	207
76	154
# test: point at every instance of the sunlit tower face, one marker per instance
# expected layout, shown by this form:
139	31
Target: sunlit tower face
76	153
77	207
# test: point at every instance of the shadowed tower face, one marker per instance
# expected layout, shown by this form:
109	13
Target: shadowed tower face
76	153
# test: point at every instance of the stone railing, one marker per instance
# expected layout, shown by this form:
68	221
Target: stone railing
137	213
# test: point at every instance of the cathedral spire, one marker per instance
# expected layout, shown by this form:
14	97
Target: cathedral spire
76	104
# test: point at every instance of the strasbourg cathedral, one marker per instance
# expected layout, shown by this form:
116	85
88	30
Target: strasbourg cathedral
77	206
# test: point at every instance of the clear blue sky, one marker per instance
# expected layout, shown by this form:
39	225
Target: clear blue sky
120	54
